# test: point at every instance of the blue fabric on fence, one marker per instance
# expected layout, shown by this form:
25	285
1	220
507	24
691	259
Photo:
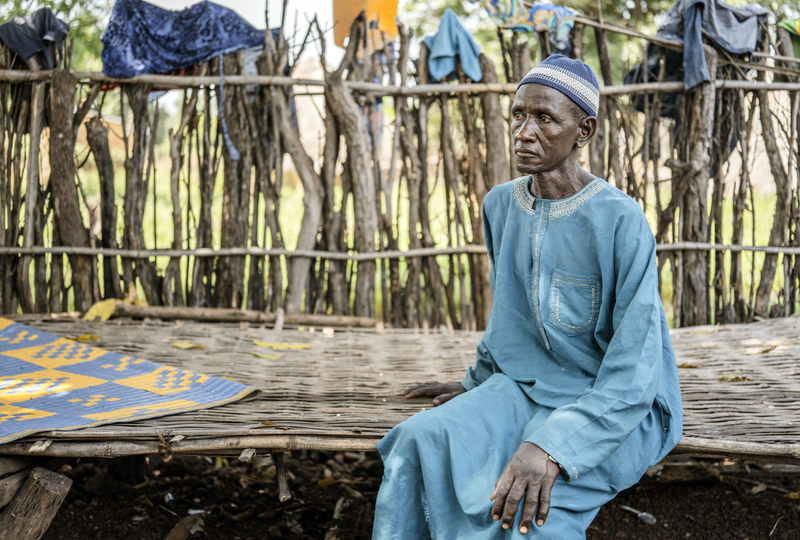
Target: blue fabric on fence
735	29
40	32
143	38
452	39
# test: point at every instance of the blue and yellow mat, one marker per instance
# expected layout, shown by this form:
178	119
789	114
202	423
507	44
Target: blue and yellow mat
49	383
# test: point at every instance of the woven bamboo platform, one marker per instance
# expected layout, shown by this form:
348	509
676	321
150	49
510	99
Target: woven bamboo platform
741	388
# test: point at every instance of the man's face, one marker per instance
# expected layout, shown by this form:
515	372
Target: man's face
545	128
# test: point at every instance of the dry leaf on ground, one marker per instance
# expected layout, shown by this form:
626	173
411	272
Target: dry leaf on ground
102	310
267	356
185	345
283	345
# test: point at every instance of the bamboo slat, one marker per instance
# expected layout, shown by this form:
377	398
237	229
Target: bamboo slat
180	313
740	385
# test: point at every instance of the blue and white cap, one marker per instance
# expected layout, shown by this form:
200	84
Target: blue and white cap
573	78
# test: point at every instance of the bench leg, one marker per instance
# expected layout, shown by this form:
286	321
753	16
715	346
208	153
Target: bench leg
283	484
33	507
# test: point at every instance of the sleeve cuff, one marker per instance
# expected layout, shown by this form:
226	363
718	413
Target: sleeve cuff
568	470
469	383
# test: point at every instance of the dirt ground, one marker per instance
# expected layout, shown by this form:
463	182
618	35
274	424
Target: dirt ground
697	499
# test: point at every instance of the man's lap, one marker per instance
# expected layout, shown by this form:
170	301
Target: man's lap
459	449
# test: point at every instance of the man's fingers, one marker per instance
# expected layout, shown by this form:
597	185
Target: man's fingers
529	509
513	499
544	500
444	398
415	390
499	496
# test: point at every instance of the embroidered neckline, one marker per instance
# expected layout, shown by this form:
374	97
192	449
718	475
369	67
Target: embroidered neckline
559	208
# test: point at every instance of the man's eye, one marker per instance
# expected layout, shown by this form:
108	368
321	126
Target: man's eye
518	115
544	118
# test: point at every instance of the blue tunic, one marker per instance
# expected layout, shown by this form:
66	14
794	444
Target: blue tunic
576	359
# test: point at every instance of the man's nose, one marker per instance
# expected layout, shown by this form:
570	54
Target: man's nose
526	131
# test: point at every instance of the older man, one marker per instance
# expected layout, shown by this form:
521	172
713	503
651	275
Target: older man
575	391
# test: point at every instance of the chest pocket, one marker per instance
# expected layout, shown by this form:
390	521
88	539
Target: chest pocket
574	303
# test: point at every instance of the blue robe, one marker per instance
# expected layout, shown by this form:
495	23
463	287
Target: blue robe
576	359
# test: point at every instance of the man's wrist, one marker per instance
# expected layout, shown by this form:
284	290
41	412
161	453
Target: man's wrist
551	458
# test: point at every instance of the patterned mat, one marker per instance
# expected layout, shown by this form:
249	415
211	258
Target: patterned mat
49	383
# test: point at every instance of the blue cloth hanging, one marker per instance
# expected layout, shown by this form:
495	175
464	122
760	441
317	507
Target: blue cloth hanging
737	30
143	38
450	41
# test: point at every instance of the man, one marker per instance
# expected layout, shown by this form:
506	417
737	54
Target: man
575	391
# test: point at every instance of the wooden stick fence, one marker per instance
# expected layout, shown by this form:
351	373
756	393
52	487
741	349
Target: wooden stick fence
347	260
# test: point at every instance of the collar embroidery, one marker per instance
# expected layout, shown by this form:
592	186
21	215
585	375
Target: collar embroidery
558	208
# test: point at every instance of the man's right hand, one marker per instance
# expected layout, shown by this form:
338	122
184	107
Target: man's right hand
441	392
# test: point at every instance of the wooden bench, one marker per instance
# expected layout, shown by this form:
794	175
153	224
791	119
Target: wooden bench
740	385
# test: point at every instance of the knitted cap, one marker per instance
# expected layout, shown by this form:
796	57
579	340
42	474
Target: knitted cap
572	78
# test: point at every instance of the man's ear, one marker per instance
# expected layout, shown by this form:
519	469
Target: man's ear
586	130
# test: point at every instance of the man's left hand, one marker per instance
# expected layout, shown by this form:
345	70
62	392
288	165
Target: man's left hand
529	474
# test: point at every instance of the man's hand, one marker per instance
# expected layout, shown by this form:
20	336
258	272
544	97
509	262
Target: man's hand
531	474
441	392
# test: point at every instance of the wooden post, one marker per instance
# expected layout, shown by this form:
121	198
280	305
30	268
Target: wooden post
136	195
496	158
576	40
28	516
313	192
786	49
696	154
609	110
66	200
237	174
97	137
13	472
351	123
283	485
544	44
31	191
